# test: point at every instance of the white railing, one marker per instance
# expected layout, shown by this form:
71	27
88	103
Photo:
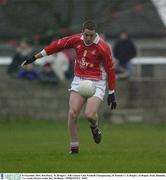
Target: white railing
135	61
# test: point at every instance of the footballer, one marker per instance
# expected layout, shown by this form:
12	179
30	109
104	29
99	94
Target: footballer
93	62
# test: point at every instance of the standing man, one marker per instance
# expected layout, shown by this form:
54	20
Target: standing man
124	50
94	62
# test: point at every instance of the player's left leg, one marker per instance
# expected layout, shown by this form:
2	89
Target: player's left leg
91	110
76	103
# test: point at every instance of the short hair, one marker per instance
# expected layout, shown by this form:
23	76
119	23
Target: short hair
89	25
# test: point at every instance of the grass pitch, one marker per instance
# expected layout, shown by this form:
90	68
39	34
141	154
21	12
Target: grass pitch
42	146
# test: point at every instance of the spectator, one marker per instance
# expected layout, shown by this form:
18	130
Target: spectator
47	74
28	73
124	50
61	65
22	51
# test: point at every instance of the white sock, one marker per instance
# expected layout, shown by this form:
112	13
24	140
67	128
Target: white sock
74	144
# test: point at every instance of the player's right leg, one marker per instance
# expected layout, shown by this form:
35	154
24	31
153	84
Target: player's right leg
76	103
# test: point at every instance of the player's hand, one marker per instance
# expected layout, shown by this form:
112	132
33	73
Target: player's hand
111	100
28	60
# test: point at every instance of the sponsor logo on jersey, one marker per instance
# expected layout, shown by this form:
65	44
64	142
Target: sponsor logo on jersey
84	64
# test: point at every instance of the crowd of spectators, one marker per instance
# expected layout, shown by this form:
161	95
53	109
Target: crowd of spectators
55	69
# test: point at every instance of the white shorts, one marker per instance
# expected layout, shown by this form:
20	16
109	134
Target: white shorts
100	86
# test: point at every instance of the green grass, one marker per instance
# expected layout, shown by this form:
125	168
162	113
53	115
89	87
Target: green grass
42	146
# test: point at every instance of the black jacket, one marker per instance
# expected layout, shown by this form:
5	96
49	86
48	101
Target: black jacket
124	51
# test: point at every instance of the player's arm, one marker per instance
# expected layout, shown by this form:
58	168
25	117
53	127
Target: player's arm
56	46
109	68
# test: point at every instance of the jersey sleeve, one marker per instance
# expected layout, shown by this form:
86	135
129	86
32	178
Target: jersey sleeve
109	67
60	45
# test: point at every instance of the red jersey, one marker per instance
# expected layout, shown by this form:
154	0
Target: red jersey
92	62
